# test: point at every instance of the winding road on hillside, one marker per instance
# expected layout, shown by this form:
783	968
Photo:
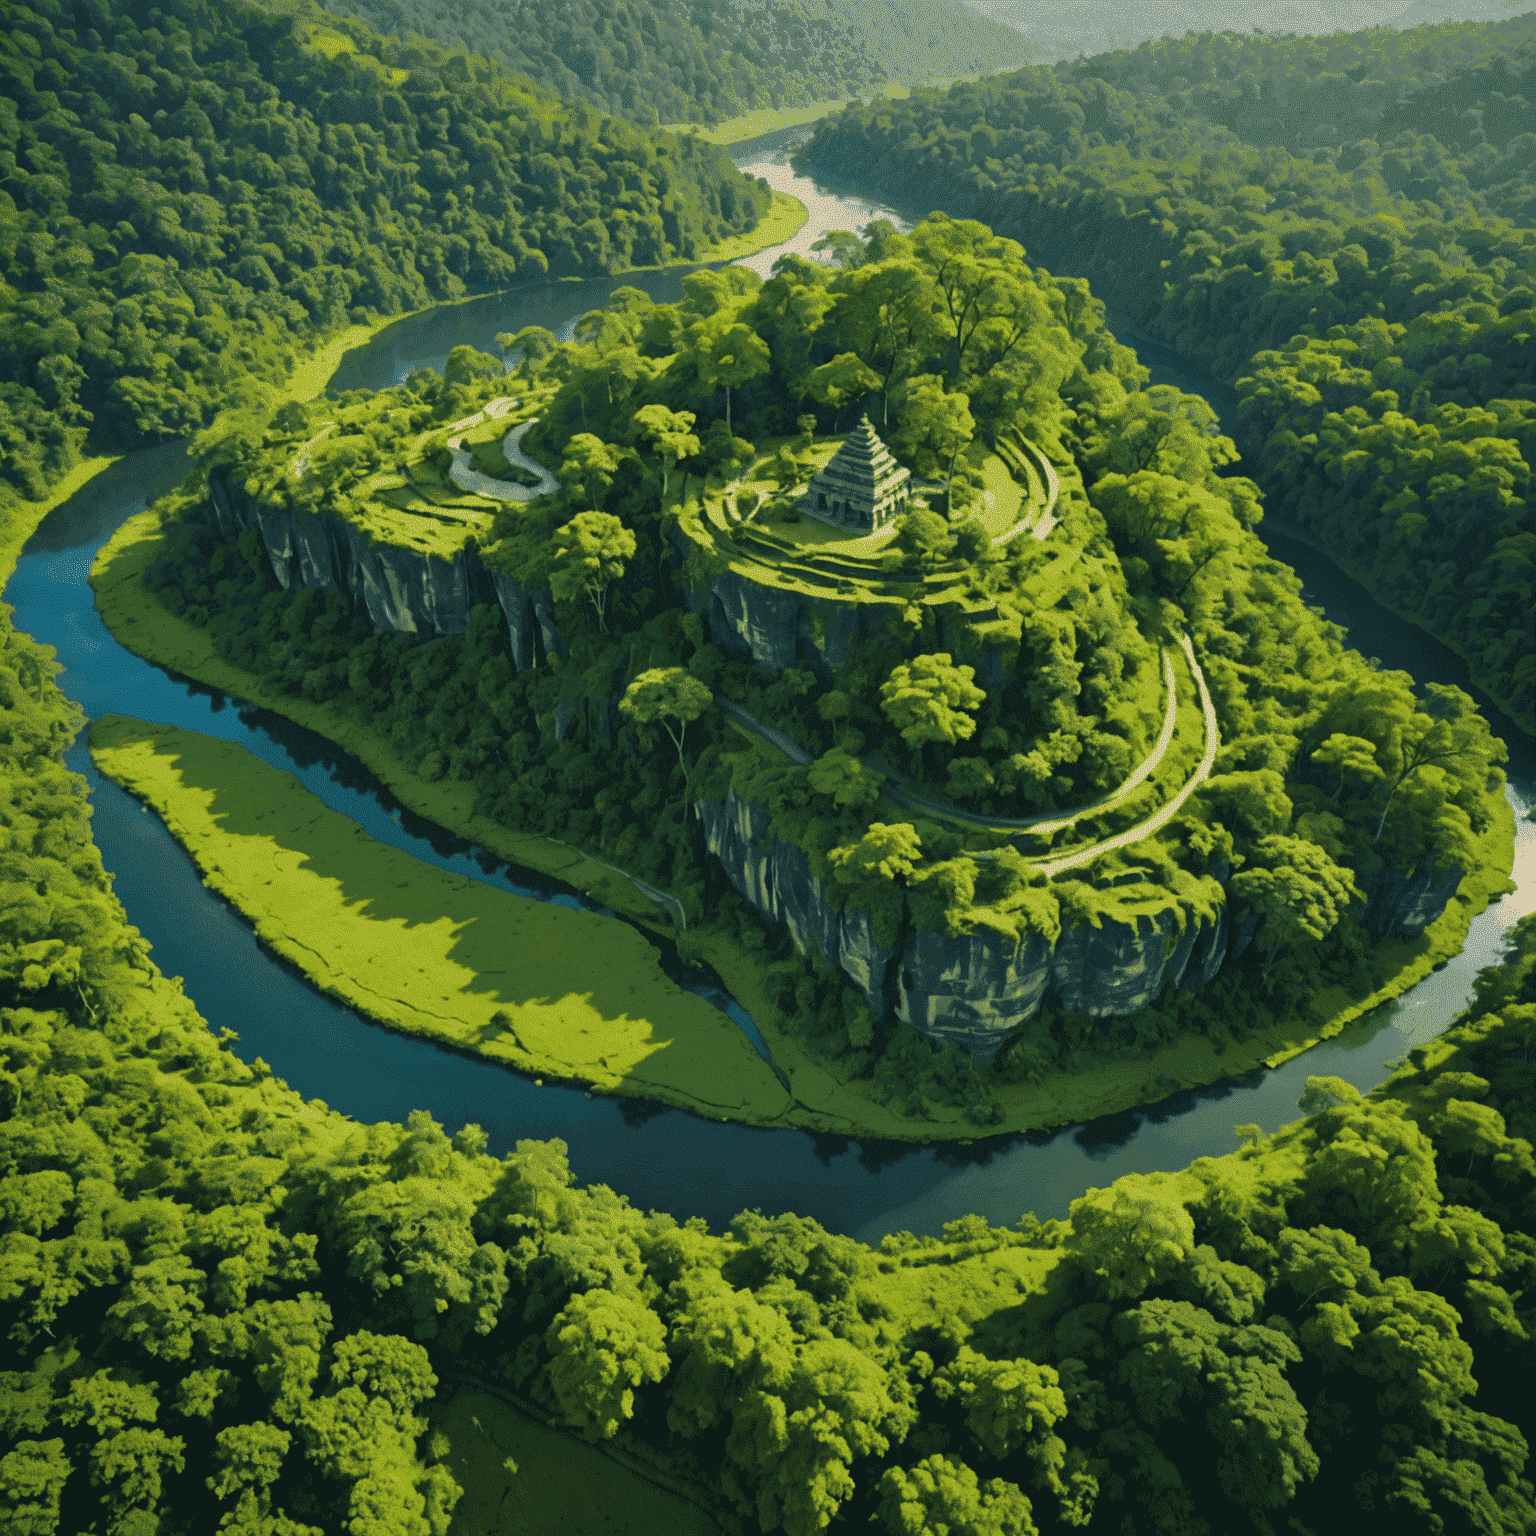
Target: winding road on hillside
1047	866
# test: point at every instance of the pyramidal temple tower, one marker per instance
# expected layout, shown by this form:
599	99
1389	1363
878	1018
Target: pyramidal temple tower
862	488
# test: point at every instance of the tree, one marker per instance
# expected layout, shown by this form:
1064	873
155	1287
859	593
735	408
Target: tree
467	365
670	434
934	426
835	707
887	312
786	470
1353	756
1297	886
927	699
1449	730
941	1496
845	378
925	536
32	1478
851	784
664	692
1134	1234
587	468
247	1456
533	344
603	1347
723	454
883	854
733	356
590	552
1177	1359
978	275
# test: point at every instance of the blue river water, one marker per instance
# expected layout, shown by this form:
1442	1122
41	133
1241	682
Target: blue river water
660	1157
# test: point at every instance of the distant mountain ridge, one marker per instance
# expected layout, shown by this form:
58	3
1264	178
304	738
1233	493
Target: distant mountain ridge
1066	28
706	60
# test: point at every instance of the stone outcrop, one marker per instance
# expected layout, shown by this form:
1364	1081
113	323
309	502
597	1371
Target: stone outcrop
1406	902
402	590
973	989
777	628
775	878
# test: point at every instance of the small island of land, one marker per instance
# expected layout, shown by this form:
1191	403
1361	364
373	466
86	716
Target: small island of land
1010	785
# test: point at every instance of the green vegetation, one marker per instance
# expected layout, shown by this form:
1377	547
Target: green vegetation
1150	542
189	200
428	952
677	61
1342	226
225	1302
909	1095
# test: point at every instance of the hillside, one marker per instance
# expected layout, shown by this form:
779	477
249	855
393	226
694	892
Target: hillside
1371	296
1046	769
1066	29
187	200
229	1307
686	61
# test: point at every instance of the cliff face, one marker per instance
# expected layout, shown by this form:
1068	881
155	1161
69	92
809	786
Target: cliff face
974	989
775	878
401	590
779	629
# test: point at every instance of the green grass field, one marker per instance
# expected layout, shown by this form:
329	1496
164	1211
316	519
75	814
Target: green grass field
543	988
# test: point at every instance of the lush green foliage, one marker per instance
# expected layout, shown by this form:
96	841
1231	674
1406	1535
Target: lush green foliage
1332	775
1363	267
187	199
680	61
229	1307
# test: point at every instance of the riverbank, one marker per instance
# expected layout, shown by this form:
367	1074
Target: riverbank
825	1097
431	953
1521	713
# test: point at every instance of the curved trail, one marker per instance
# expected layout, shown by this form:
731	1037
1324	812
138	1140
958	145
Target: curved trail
1144	828
467	478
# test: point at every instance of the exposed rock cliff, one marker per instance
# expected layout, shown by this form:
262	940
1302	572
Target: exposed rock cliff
973	989
1407	902
777	628
403	590
775	878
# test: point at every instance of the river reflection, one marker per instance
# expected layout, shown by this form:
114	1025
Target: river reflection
660	1157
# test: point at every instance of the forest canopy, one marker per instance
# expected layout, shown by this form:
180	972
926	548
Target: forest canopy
228	1308
1340	226
685	61
188	199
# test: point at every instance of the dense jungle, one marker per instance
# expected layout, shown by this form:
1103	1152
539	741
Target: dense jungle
226	1306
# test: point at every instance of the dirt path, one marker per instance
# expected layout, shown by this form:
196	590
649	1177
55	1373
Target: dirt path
1144	828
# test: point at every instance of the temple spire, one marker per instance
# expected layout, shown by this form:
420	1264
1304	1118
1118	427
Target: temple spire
862	486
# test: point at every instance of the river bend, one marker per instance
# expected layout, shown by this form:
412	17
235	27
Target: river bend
661	1158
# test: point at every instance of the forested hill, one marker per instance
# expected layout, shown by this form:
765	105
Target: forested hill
1373	298
704	60
188	198
1307	92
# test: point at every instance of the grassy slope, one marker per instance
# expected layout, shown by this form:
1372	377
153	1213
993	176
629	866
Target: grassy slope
823	1099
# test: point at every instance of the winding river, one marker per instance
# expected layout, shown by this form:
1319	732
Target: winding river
661	1158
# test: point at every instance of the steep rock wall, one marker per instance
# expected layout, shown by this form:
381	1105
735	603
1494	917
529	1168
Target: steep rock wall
401	590
777	629
974	989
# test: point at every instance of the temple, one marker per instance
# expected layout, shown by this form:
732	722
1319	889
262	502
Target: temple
862	488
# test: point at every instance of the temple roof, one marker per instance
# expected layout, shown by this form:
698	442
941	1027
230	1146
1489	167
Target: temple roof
862	467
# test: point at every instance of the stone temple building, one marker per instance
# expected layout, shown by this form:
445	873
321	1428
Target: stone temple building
862	488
